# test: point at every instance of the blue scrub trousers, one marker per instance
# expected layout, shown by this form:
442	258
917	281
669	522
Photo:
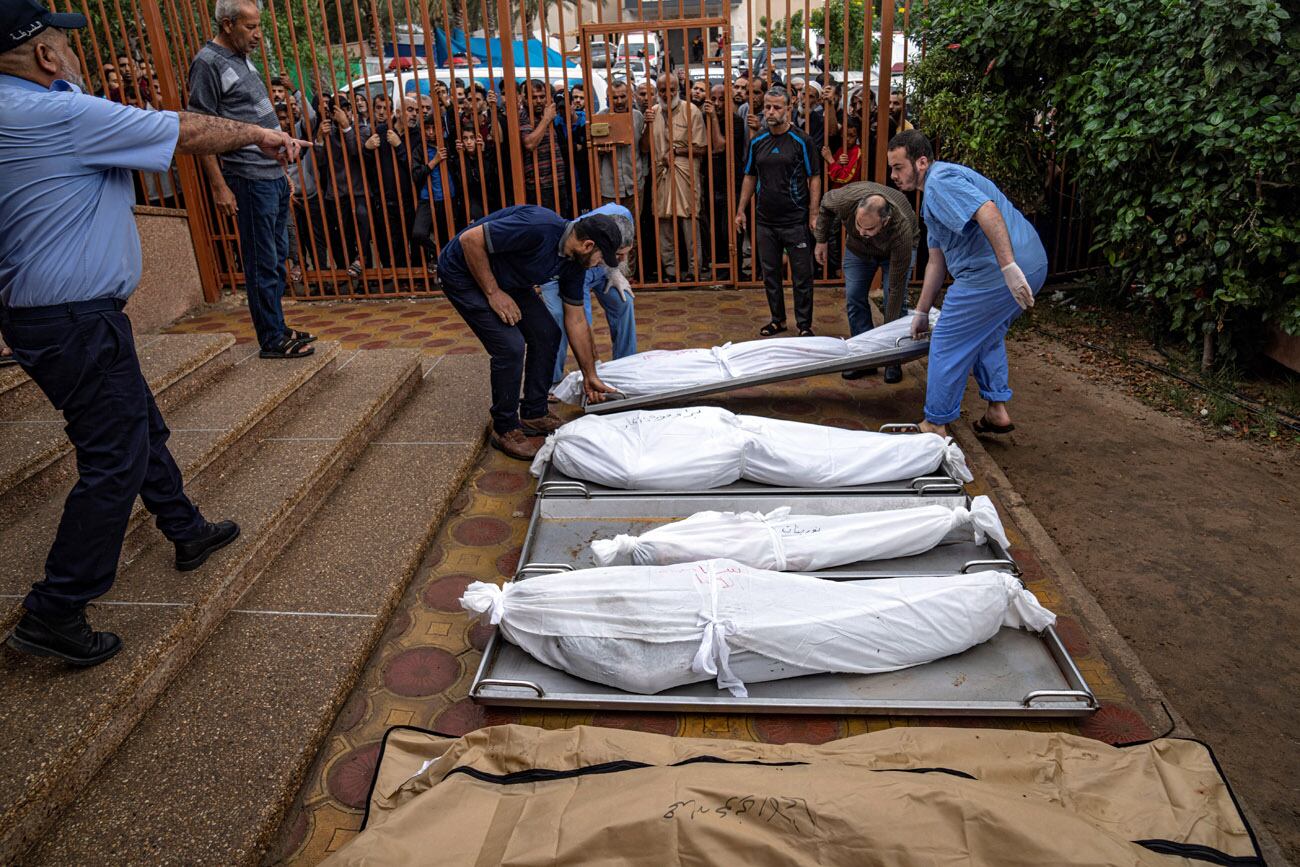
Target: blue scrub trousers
263	221
620	314
858	273
970	337
82	356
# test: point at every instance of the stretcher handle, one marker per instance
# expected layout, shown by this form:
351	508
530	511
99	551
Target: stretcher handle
609	395
578	488
543	569
900	427
515	684
1073	694
945	488
987	564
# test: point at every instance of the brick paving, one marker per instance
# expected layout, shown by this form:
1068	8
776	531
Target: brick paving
421	671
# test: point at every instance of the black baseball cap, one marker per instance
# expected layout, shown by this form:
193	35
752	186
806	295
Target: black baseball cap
605	232
20	20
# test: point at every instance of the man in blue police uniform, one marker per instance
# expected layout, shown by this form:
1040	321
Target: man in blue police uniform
69	259
490	272
997	264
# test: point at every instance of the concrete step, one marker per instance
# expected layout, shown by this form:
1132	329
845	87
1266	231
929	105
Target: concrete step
214	429
35	455
57	727
198	783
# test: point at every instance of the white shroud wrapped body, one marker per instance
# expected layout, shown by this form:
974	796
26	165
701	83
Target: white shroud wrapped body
661	370
698	448
803	543
644	629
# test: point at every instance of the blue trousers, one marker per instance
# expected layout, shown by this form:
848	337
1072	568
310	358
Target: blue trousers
263	220
82	356
521	354
858	273
969	337
620	314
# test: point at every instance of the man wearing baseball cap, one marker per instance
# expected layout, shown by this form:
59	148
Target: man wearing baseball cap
69	260
490	272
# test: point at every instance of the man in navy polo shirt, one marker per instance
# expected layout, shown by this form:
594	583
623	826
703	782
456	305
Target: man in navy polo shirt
490	272
69	259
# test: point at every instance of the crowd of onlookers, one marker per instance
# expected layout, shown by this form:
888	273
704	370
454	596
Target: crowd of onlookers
388	182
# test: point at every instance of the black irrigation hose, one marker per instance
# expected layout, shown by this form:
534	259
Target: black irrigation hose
1285	419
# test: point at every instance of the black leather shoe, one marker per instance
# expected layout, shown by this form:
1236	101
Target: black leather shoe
859	373
893	373
193	554
68	637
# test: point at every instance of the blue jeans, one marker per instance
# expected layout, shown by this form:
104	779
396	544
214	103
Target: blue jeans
82	356
620	314
858	273
969	338
263	220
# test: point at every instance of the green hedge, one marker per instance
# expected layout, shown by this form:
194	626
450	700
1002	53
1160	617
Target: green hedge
1180	121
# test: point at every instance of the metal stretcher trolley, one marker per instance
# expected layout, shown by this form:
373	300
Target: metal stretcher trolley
905	349
1016	673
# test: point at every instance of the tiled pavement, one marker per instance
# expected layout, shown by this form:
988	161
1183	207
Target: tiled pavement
421	671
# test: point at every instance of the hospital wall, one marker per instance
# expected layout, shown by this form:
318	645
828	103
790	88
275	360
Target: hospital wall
169	285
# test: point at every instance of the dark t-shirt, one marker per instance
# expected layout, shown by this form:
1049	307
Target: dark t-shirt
523	245
782	164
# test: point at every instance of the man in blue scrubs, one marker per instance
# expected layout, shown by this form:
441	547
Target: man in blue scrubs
997	264
490	273
611	289
69	259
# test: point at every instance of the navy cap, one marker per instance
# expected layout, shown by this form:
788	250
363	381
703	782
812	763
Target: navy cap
606	233
20	20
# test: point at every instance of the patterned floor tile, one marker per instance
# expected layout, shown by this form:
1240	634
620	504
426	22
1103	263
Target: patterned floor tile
421	671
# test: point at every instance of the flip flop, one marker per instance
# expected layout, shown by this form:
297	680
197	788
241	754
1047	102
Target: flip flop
771	328
984	426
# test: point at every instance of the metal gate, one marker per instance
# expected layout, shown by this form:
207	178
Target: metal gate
487	109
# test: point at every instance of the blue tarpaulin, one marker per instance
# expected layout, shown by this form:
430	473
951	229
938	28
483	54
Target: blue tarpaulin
531	52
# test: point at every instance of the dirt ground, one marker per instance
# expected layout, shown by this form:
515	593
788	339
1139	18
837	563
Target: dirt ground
1191	544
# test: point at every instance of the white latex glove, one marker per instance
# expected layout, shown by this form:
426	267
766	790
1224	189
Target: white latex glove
616	280
1018	285
920	324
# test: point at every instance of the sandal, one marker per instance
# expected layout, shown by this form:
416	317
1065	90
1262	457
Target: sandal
7	357
984	426
295	276
354	273
806	332
302	336
771	328
288	348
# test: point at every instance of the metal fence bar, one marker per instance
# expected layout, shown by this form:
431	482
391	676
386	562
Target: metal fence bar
480	128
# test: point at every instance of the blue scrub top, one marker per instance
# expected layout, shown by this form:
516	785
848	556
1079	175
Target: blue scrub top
953	194
66	228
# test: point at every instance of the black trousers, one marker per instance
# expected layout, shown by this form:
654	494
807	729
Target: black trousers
429	217
83	357
770	244
521	354
396	232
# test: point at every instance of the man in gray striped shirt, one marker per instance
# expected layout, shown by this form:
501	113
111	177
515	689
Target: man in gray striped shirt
881	231
247	184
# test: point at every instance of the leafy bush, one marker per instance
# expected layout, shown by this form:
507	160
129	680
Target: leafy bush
1179	120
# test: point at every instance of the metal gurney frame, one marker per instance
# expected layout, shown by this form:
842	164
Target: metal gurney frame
899	354
1015	674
